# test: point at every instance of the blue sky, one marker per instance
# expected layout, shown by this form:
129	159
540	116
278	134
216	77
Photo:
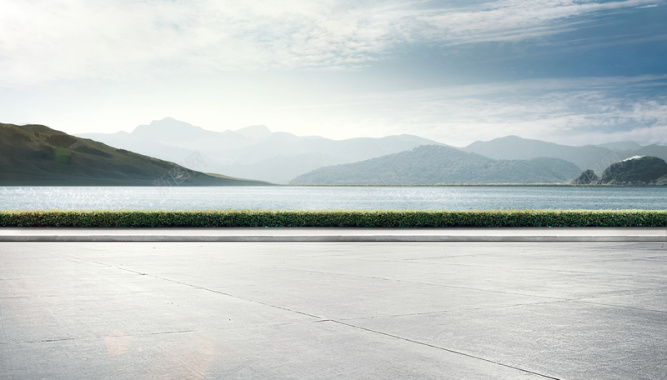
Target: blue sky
574	72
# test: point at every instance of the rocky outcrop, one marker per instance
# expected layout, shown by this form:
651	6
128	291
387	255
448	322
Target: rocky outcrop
636	171
588	177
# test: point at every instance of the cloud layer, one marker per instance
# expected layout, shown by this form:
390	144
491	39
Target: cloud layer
342	68
66	39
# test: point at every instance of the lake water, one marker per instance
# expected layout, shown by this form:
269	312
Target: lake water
311	198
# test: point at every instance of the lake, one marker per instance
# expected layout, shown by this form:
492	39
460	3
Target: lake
344	197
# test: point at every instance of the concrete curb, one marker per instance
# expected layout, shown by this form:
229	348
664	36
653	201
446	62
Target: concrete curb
654	235
325	239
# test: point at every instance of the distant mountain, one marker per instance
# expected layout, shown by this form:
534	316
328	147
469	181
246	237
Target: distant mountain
517	148
441	165
257	152
621	146
253	152
173	140
636	171
169	129
254	132
38	155
653	150
596	158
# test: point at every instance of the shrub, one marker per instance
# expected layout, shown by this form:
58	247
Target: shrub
337	218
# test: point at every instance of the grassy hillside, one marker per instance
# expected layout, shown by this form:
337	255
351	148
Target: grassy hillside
635	171
433	164
35	155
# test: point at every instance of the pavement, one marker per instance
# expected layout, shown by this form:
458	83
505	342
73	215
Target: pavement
333	235
334	310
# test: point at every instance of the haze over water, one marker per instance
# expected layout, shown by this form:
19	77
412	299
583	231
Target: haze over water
327	198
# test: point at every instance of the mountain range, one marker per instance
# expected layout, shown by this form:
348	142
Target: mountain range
38	155
432	164
252	152
594	157
35	154
257	152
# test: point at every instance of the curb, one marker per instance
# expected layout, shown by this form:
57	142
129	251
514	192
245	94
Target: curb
326	239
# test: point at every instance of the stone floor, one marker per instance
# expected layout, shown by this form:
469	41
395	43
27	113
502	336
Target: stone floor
333	310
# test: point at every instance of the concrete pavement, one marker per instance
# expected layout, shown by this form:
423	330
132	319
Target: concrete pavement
333	235
585	310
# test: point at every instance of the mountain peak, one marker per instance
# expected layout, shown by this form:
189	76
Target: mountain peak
510	137
518	148
169	129
254	132
620	146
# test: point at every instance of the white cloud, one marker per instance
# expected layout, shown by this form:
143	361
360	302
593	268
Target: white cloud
73	39
512	20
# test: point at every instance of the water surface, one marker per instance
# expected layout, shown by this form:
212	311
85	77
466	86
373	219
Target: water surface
344	197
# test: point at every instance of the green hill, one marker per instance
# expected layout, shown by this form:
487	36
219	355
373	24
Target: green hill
431	164
35	155
636	171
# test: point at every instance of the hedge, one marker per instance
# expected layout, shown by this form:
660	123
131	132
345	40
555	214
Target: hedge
336	218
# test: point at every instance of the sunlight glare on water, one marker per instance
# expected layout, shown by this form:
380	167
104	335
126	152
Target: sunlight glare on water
345	197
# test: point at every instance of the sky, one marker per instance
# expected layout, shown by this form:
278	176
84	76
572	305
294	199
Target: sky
574	72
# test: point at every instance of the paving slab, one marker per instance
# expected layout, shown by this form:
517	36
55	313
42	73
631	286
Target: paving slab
449	310
566	340
333	234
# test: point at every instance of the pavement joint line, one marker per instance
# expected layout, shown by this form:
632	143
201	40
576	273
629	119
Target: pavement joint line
52	340
510	267
237	297
452	311
321	319
341	274
446	349
621	306
202	288
108	265
551	270
423	283
357	276
166	332
145	334
626	293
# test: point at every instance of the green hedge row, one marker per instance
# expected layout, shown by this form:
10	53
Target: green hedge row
341	218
